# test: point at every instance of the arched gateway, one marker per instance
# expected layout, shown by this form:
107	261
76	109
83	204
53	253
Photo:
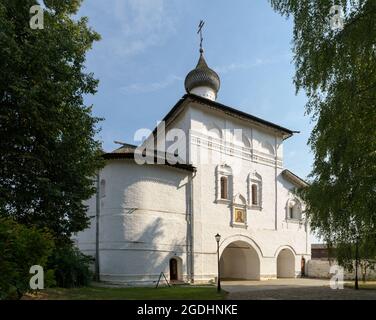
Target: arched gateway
240	260
286	264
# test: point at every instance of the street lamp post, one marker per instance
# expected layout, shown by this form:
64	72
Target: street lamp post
218	238
356	263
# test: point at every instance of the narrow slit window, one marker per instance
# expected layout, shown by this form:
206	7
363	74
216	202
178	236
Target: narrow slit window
254	195
224	188
291	212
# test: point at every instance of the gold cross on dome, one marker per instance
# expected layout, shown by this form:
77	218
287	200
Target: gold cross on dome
200	26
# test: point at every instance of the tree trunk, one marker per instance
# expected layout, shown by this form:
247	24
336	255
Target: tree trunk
356	265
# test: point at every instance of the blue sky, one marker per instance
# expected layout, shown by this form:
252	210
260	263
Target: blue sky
148	47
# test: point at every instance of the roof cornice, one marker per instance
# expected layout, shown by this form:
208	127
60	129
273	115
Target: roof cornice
286	133
293	178
130	156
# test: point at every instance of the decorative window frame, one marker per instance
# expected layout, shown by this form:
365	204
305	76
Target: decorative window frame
254	178
239	203
223	171
294	203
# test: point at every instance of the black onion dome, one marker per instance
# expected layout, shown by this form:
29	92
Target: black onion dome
202	76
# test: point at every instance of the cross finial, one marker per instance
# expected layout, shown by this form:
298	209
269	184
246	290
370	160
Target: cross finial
200	26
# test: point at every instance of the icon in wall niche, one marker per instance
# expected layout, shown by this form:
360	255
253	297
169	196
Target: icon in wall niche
239	215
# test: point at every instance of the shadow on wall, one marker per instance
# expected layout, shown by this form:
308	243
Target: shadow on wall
158	243
153	227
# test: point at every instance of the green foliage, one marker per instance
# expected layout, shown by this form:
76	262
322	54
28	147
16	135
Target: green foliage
49	279
20	248
72	267
47	134
337	69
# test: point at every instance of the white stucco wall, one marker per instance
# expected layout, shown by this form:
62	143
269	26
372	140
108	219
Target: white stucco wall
317	268
142	221
143	218
267	229
205	92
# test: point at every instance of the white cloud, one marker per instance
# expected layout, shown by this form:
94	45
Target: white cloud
249	65
142	24
237	66
151	87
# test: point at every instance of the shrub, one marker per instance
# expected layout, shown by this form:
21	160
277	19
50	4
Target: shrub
72	267
20	248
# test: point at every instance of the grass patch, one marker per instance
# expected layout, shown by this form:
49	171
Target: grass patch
369	285
147	293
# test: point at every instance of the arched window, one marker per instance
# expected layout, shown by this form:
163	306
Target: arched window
224	188
294	209
254	195
255	190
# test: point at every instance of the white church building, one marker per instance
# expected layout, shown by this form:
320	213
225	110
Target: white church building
230	180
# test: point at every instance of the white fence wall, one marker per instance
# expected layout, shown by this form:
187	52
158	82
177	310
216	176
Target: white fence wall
316	268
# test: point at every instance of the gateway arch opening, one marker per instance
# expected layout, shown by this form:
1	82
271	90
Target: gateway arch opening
240	261
286	264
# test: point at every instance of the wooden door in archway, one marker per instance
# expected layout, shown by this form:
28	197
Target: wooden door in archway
173	269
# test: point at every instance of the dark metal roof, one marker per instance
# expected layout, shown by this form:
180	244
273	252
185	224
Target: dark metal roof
294	178
129	154
126	147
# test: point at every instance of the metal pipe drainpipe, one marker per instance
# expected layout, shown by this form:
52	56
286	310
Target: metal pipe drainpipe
191	221
276	184
97	214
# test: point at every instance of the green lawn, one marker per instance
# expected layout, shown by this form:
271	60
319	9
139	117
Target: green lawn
149	293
